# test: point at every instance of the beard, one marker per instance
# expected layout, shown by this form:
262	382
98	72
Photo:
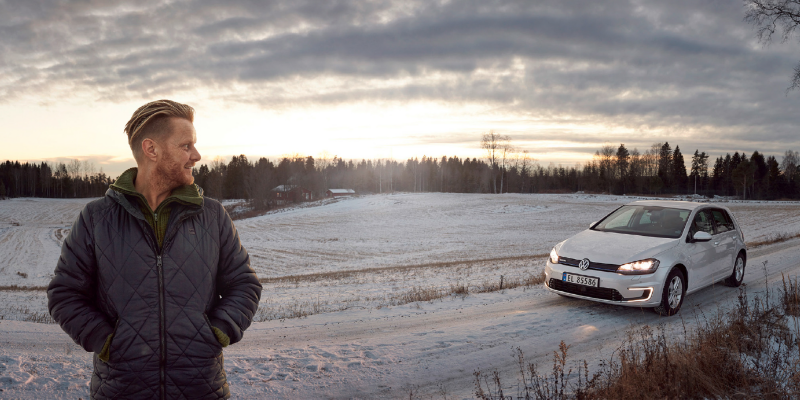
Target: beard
172	174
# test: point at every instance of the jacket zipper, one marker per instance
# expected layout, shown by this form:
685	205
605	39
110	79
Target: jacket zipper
162	331
162	313
162	327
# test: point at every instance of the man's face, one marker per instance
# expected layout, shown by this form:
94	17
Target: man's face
174	166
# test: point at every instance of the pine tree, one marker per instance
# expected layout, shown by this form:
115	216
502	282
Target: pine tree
679	178
665	164
622	163
696	165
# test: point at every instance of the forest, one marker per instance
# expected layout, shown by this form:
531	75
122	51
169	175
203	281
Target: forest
659	170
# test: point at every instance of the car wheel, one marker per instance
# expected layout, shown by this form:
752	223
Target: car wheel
738	272
673	294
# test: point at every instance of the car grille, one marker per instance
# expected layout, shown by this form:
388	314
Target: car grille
591	291
573	262
588	291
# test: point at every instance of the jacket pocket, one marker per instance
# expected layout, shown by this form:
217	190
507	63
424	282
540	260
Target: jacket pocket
213	339
111	342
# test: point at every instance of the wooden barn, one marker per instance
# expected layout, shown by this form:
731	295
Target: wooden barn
340	192
291	194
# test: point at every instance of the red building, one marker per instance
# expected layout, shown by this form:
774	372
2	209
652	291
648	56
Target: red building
291	194
340	192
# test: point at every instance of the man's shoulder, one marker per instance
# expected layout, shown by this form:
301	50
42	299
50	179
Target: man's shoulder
212	205
98	205
213	210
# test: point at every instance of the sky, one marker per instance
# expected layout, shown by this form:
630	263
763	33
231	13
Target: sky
394	79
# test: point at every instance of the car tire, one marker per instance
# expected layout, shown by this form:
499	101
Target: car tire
673	293
737	276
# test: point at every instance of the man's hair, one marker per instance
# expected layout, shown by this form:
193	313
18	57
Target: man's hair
151	121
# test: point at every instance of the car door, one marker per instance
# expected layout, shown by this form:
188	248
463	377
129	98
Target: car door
701	255
724	242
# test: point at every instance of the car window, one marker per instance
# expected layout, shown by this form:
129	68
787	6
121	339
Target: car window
620	219
645	220
722	221
702	223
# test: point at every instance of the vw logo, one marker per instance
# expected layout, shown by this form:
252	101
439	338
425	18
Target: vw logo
584	264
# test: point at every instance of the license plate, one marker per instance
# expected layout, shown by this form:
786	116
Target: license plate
581	280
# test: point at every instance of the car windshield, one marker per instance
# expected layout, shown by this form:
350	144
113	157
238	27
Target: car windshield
646	221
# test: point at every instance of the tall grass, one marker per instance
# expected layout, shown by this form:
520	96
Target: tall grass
772	239
750	351
298	309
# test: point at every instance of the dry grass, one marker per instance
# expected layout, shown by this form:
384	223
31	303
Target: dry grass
344	274
418	294
395	286
790	296
510	283
748	352
16	288
267	312
773	238
26	314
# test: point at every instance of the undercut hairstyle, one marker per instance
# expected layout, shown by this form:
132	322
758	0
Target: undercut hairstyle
152	121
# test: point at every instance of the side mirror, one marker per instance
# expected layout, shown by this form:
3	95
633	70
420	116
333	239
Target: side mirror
592	224
701	237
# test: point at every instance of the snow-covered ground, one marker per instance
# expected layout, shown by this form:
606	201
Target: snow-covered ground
349	263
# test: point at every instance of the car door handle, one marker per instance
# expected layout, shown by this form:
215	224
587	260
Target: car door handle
716	243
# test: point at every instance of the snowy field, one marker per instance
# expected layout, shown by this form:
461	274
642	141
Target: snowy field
348	267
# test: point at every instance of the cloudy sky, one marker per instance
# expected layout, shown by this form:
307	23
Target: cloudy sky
394	79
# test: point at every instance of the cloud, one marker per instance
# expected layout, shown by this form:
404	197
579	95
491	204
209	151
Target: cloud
648	66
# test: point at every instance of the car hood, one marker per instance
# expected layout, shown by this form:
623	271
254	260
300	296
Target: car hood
613	248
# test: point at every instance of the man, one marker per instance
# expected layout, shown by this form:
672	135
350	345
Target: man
152	278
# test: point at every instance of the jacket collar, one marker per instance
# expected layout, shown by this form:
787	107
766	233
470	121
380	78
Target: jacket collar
188	195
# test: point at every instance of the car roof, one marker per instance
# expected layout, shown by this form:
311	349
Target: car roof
684	205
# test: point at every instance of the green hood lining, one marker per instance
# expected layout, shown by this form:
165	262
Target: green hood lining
189	195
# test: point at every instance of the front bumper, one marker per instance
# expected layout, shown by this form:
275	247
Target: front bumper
626	290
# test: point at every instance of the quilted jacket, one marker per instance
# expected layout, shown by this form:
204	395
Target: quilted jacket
160	304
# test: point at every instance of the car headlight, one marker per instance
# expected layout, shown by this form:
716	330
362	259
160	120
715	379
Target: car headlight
553	256
640	267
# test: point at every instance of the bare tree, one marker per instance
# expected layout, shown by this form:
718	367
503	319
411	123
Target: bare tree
74	167
491	143
771	16
506	149
496	149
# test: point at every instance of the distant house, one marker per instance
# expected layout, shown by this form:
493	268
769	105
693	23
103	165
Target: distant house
291	194
340	192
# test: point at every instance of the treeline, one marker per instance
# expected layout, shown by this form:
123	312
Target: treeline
658	170
58	180
662	170
242	179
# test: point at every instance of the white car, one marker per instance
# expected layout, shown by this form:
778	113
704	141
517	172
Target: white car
650	254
